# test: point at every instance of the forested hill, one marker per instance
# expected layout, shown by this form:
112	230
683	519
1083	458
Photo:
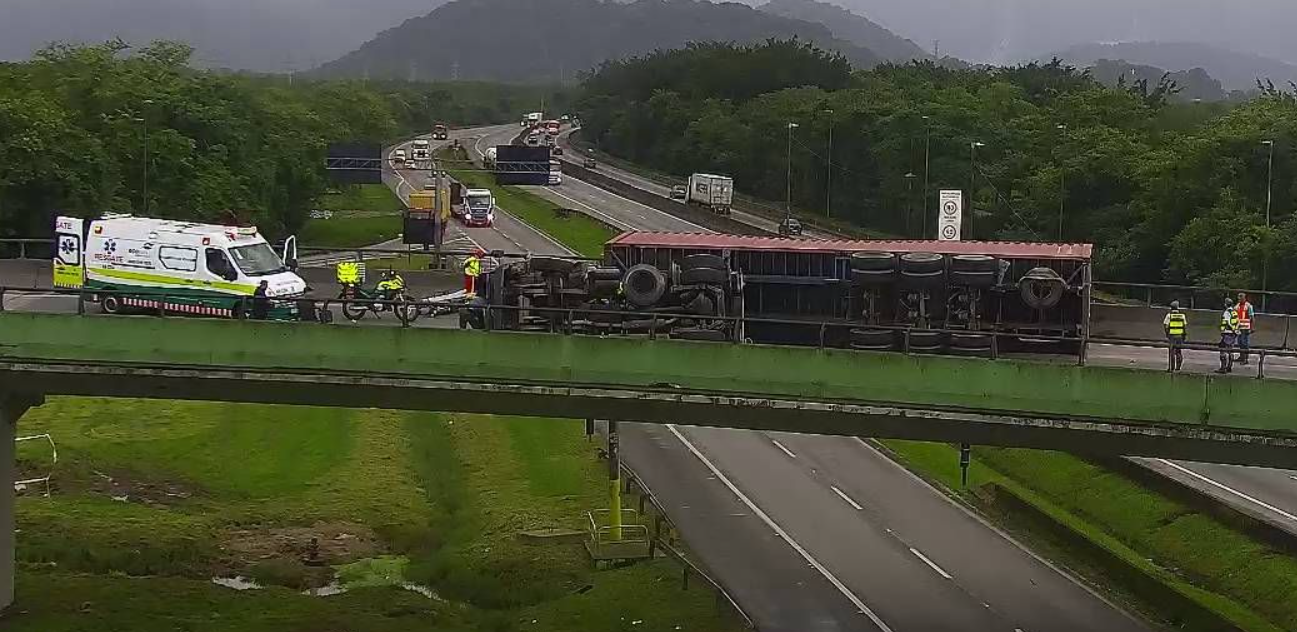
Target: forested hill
849	27
554	40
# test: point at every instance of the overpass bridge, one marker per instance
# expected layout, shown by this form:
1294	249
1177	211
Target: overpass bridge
1008	402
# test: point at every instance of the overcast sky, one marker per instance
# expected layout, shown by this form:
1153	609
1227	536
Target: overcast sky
283	34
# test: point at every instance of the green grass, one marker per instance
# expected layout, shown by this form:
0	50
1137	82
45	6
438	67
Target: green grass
364	215
577	231
1215	565
442	497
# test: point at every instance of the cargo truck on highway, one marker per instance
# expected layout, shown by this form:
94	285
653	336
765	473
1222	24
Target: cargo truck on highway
420	149
479	208
440	132
715	193
532	119
137	263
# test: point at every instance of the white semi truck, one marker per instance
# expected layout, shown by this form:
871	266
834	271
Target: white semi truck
711	191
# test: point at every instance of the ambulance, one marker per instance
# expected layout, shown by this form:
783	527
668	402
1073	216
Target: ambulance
136	263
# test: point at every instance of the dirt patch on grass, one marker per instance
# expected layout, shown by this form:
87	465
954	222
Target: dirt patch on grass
296	557
125	487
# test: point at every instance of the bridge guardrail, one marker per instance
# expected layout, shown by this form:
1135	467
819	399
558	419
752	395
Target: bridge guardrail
571	321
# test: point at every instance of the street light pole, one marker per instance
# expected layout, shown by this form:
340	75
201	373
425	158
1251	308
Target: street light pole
828	176
1062	188
788	209
144	117
1269	181
972	182
927	153
909	200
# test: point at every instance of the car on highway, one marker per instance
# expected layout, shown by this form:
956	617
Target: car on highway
589	162
790	227
533	140
679	192
558	151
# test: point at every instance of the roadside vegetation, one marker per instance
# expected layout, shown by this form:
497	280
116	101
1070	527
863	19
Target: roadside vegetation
363	215
1157	538
415	515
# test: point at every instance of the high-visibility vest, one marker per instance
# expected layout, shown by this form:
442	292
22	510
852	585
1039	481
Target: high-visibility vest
472	266
1244	316
1176	324
1229	321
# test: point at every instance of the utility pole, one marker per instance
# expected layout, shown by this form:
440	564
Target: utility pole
1062	188
144	118
927	154
828	176
972	183
1269	199
909	200
614	482
788	208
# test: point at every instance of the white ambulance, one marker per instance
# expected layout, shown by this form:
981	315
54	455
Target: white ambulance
184	267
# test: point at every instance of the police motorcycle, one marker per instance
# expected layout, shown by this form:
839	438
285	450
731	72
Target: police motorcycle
389	295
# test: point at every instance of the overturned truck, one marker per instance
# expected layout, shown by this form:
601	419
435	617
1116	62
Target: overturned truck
924	296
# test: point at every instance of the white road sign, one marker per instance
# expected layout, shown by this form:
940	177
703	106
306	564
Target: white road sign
950	214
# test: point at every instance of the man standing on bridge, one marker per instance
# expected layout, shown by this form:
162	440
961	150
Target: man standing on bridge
1228	336
1245	316
472	268
1177	331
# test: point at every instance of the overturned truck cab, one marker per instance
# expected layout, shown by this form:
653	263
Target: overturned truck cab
968	298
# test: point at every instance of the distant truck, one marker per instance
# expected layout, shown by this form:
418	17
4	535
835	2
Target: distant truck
137	263
420	149
712	192
532	119
555	173
440	132
479	208
488	158
552	127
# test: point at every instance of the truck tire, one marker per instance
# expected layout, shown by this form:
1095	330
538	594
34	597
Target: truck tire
873	339
873	261
980	280
605	274
923	280
974	263
971	344
693	262
110	305
1042	288
873	277
921	262
925	341
703	276
552	264
710	335
644	285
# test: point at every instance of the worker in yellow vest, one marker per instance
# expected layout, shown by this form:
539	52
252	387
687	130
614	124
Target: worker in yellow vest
1176	325
1228	336
472	269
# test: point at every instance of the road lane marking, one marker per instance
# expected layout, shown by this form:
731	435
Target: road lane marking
843	495
617	223
930	563
626	199
1256	501
814	563
786	450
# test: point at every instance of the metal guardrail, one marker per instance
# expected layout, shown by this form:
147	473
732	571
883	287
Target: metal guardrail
568	321
634	542
1198	297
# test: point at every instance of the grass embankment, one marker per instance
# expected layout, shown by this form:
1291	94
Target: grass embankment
153	498
1220	568
363	215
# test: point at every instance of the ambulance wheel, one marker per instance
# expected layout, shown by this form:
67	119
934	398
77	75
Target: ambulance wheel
110	305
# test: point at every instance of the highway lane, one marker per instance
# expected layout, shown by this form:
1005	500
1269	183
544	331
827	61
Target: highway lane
589	199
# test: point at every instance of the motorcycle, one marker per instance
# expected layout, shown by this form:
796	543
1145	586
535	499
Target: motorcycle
388	295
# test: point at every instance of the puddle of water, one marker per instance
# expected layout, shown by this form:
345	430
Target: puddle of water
237	583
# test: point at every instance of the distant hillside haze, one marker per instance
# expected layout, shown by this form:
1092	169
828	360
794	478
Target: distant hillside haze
1235	71
1194	84
263	35
555	40
848	26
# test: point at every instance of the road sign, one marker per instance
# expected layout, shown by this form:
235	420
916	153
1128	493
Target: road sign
950	214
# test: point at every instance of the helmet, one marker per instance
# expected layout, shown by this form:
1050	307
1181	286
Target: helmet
1175	304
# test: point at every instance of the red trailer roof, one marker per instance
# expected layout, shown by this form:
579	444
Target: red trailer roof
717	241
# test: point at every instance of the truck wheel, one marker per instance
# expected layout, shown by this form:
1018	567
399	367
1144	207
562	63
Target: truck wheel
704	276
923	341
644	285
974	263
606	274
923	280
873	339
110	305
873	277
922	262
552	264
702	261
873	261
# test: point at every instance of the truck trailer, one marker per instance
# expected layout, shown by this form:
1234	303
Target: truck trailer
715	193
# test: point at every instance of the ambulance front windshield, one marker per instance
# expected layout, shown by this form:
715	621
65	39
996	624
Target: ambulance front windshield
257	260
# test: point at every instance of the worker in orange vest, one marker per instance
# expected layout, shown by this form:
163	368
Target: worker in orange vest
1245	319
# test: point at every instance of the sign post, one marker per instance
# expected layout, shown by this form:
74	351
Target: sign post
950	215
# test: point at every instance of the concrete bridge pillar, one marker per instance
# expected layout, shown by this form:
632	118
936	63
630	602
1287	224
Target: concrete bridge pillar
11	408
